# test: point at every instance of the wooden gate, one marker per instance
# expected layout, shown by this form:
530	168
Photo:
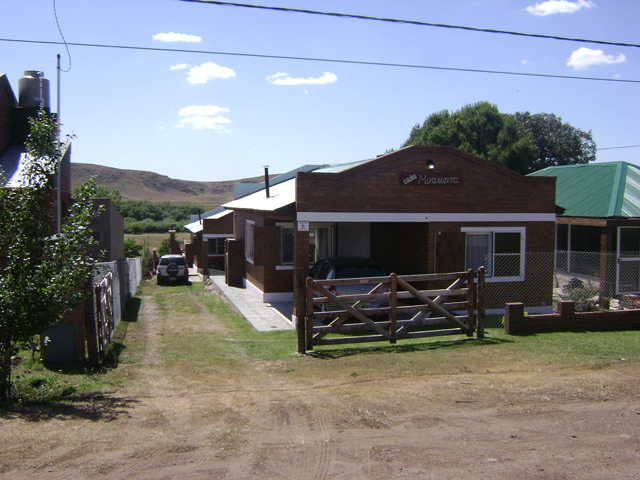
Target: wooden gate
104	314
406	311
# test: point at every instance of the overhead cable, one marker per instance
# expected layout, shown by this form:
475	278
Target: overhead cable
327	60
412	22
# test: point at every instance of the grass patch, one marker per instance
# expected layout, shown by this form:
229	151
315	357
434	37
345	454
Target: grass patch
583	348
41	383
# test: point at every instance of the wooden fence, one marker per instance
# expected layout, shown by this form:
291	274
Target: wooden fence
405	311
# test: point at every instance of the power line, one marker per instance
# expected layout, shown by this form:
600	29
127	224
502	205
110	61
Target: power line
412	22
616	148
327	60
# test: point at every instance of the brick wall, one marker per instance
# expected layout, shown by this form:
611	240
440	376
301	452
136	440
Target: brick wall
483	187
567	320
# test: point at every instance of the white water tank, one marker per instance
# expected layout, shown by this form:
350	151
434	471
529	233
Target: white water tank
33	87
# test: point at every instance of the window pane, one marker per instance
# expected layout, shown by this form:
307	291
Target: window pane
248	240
507	243
506	265
286	246
629	242
478	248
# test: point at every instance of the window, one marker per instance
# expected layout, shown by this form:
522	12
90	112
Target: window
286	246
320	242
249	228
216	246
500	251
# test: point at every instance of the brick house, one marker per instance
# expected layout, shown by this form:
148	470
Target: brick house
598	234
206	249
421	209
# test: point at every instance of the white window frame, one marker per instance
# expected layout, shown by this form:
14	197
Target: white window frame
492	231
313	227
249	240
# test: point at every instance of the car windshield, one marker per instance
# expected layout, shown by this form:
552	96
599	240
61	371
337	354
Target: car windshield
358	271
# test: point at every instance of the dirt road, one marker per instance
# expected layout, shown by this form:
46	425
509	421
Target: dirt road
474	417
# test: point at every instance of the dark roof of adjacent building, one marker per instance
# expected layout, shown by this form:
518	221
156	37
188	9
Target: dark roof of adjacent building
10	163
610	189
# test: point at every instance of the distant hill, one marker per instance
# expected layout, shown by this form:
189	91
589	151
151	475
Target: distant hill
141	185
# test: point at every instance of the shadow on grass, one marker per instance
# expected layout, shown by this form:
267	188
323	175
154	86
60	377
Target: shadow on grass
94	407
399	348
132	310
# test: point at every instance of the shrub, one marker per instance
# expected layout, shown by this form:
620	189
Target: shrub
584	298
132	248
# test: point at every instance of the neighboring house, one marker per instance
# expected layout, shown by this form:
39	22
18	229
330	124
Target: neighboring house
206	249
598	235
14	129
421	209
68	337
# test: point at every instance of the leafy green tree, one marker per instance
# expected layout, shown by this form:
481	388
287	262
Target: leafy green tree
132	248
522	142
165	247
557	143
102	191
42	274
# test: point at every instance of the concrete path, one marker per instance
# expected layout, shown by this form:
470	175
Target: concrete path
263	316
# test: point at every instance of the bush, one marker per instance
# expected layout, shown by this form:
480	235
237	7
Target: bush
584	298
132	248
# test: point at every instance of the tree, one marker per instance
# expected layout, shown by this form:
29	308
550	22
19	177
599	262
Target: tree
102	191
522	142
42	274
132	248
557	143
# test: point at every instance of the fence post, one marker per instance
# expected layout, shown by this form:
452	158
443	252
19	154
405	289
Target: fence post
305	321
480	303
393	305
90	325
471	302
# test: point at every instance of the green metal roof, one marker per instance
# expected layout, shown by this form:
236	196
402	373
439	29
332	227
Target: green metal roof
610	189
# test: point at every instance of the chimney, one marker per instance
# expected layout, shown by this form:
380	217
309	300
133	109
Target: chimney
266	180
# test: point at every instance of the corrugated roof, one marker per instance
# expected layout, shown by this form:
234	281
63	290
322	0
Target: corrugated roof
282	191
11	164
610	189
280	196
216	213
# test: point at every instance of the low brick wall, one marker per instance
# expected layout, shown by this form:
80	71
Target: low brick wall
567	320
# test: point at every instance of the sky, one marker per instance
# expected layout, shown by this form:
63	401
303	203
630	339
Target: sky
217	116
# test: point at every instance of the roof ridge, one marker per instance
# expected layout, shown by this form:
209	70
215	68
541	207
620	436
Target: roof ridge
617	191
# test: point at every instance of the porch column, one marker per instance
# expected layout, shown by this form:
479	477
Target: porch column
300	273
608	265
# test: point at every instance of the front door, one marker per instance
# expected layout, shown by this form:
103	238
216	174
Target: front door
628	277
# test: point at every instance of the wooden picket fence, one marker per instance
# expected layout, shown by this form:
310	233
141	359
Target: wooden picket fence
411	312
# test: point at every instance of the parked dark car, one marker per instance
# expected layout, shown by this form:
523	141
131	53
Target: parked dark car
348	267
172	269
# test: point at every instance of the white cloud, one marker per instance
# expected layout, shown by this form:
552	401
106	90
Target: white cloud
205	123
284	79
209	71
206	110
180	66
204	117
177	37
526	62
551	7
584	58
